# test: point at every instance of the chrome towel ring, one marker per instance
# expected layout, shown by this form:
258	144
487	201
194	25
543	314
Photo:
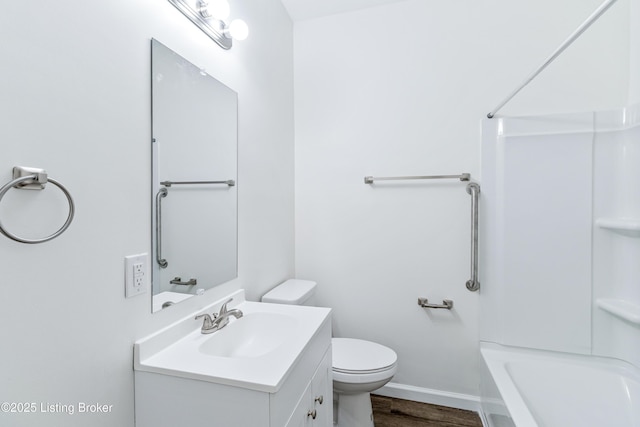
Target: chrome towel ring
33	178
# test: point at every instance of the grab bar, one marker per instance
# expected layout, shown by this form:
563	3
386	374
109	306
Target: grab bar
228	182
161	261
461	177
474	189
581	29
35	179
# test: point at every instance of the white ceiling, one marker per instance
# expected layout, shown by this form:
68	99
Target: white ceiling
306	9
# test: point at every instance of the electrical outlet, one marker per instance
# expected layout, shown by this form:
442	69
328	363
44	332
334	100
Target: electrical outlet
135	274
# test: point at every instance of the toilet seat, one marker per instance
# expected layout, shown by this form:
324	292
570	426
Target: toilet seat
360	361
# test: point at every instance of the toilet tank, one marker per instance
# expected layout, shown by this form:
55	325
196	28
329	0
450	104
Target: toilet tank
292	292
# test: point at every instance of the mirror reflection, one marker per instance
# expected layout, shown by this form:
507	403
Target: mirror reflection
194	170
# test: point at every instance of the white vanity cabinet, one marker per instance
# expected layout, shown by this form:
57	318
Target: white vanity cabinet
290	386
168	401
315	408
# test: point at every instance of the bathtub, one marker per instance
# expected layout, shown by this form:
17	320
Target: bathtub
532	388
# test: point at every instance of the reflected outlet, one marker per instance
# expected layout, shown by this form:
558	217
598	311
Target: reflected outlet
135	274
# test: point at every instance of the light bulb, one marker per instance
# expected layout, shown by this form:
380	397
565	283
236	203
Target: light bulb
238	29
220	9
217	9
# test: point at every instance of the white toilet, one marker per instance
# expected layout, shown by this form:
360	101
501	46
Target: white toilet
359	366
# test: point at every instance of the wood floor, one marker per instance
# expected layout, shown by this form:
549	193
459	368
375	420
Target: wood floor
390	412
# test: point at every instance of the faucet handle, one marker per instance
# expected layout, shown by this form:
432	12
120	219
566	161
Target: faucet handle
223	308
208	321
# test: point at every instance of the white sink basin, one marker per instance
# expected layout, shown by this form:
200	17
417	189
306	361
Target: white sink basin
256	351
253	335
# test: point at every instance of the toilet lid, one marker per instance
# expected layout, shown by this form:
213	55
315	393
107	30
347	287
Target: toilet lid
359	356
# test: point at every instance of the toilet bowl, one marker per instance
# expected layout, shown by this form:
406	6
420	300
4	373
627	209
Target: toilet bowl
359	366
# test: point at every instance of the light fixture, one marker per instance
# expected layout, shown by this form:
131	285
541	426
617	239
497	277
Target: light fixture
210	16
217	9
237	30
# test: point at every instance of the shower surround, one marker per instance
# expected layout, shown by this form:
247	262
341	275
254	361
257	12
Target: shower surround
561	201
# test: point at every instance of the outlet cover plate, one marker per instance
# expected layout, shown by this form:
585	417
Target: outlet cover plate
136	274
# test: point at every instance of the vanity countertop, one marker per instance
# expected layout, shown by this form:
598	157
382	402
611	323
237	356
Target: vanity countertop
256	351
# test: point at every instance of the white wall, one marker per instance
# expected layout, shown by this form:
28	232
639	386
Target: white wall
75	86
400	90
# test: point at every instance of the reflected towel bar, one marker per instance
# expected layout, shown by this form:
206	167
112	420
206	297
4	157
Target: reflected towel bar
229	182
371	179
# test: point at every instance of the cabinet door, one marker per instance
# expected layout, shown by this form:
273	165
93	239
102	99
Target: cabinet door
315	408
322	393
301	416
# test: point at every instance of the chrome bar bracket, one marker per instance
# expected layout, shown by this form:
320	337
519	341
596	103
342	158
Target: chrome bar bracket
37	181
447	304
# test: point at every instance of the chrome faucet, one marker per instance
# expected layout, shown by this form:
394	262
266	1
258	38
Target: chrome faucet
218	320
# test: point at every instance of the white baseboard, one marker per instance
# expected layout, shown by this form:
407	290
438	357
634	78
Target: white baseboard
434	397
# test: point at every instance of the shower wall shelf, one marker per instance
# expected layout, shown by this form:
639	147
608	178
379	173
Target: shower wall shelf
620	224
621	308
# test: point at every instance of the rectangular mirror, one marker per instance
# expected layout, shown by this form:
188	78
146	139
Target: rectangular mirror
194	179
